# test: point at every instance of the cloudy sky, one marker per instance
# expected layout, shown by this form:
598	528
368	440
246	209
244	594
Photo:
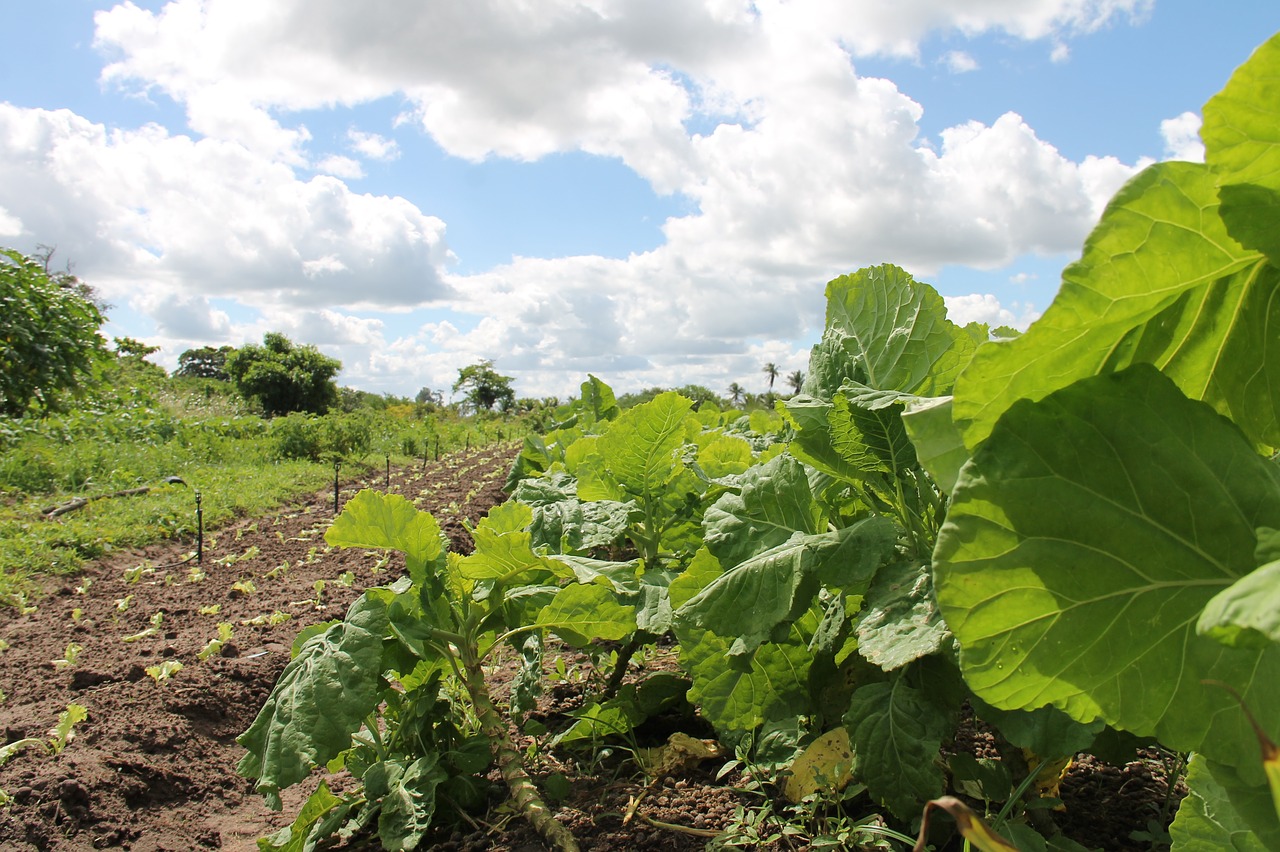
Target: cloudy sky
654	191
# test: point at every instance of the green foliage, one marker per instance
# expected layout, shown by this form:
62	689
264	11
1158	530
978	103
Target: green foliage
205	362
484	386
49	337
282	377
333	436
1111	543
365	694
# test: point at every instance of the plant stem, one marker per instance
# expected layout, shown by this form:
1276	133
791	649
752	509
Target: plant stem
524	793
625	653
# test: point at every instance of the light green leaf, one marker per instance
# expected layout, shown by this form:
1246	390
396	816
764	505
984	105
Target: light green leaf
1220	813
938	442
1241	135
777	586
702	569
896	733
723	455
1083	540
580	613
773	504
883	329
1160	282
1246	614
504	548
293	838
409	803
899	621
321	699
621	576
738	693
389	522
638	453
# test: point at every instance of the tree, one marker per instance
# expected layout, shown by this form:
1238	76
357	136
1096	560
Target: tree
796	380
429	397
771	370
205	363
283	377
49	337
736	393
484	386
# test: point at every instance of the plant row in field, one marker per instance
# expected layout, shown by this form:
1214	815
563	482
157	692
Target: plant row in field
1072	531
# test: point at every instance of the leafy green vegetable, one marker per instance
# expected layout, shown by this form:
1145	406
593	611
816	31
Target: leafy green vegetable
1083	540
321	699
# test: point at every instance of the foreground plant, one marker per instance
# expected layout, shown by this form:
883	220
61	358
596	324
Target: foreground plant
371	693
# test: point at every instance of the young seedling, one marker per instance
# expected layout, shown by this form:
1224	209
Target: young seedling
69	657
122	604
162	672
277	572
245	587
211	609
156	621
215	645
134	574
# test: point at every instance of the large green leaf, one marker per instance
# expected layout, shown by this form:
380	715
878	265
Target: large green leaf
504	549
582	612
883	329
1220	813
896	733
389	522
777	586
813	442
1247	614
321	699
738	693
899	621
1160	282
1241	134
1083	540
408	796
773	503
637	456
938	442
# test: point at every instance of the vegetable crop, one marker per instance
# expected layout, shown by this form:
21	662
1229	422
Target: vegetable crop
1074	532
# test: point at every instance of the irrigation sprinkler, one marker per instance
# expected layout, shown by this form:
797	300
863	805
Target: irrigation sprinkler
388	472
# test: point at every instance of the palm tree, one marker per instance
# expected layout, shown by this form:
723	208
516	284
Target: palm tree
771	370
735	393
796	380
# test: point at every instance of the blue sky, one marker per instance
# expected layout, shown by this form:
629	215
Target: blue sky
655	192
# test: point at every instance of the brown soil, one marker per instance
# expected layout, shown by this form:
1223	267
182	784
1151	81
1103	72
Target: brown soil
152	767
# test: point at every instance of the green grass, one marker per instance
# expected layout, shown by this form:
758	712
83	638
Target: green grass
241	464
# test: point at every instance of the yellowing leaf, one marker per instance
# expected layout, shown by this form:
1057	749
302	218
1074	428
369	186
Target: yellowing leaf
827	764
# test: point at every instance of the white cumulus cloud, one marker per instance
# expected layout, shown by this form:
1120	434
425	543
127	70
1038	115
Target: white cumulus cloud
794	167
1182	138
